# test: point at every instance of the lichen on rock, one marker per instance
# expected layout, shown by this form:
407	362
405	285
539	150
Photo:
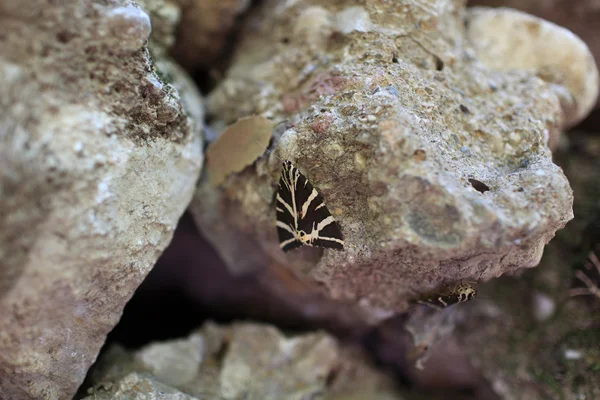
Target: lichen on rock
98	160
436	167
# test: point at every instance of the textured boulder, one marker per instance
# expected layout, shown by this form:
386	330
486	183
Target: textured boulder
580	17
507	39
98	160
436	166
529	336
244	361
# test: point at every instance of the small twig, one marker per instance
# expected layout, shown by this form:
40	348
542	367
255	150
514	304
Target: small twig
595	261
579	292
591	288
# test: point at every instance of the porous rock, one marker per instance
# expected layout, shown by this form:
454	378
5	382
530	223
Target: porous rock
246	361
580	17
98	160
508	39
528	353
136	386
436	167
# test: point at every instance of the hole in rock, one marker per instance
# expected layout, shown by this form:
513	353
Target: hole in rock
439	64
65	36
479	186
189	285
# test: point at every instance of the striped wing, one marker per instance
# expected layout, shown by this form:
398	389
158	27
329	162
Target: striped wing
449	295
302	217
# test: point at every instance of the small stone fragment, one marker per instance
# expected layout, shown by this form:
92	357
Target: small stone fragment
129	26
237	147
544	306
353	19
175	363
313	26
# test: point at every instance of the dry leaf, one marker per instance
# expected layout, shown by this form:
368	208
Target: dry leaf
237	147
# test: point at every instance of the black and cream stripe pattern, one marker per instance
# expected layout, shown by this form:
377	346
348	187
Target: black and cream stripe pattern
302	217
449	295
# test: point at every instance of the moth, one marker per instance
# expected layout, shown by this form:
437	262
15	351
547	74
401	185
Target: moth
449	295
302	217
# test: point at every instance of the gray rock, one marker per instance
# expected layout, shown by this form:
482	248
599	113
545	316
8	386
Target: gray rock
507	39
246	361
136	386
175	363
98	160
534	350
578	17
436	167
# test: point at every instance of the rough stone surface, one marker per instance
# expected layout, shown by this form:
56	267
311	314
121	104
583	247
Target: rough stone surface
135	386
507	39
522	355
98	160
436	167
247	361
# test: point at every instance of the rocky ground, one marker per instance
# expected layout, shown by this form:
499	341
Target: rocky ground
449	143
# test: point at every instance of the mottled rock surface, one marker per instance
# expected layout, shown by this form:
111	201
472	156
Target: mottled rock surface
98	160
246	361
532	349
136	386
436	167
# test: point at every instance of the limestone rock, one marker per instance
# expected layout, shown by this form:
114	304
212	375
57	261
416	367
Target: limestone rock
522	355
176	363
136	386
507	39
436	167
580	17
98	160
247	361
